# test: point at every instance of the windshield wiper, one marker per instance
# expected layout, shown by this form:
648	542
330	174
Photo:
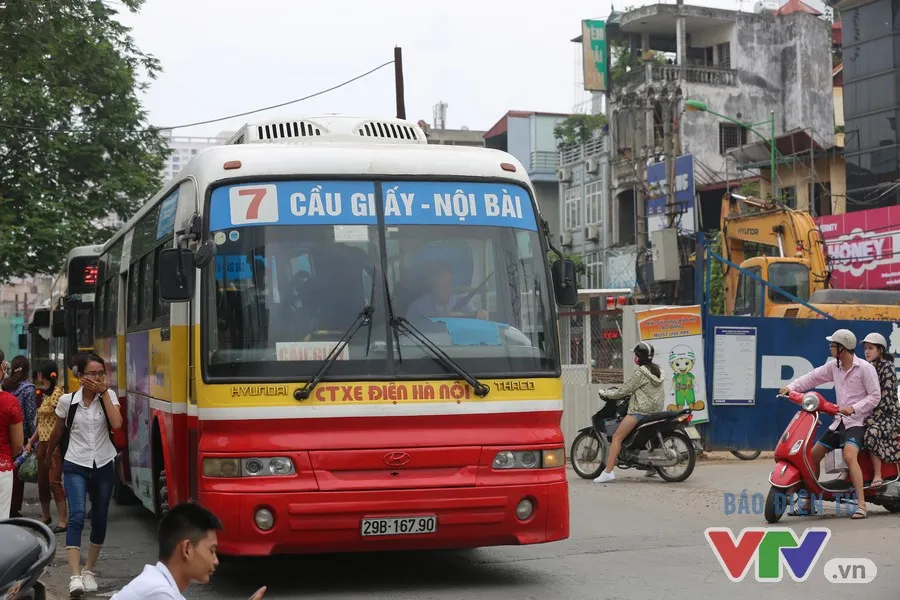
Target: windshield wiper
363	318
401	324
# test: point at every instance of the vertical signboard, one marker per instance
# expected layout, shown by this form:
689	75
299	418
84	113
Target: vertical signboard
684	194
676	334
595	58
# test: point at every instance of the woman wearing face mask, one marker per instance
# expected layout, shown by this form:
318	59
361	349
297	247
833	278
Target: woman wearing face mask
883	427
88	464
648	396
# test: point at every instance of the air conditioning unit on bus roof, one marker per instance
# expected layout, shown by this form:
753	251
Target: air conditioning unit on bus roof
330	128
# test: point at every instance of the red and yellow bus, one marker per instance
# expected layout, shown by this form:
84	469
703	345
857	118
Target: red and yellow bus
288	356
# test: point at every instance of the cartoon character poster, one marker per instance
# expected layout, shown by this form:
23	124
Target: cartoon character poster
676	334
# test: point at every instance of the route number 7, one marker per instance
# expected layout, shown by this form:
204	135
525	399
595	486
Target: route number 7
254	204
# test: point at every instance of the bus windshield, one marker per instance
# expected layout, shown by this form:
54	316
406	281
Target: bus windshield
297	262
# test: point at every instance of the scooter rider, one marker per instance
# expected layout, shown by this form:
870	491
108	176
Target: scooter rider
858	392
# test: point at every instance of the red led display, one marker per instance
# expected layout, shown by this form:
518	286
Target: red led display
90	275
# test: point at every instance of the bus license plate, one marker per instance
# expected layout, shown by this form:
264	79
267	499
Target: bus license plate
693	433
399	526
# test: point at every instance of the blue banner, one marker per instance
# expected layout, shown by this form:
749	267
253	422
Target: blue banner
448	203
293	203
353	203
785	350
684	186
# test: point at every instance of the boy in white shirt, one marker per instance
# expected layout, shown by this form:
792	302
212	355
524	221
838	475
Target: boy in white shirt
187	554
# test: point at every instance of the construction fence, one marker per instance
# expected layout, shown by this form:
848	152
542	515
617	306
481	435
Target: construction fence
591	349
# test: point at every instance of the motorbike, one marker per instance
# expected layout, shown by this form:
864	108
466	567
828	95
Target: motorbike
660	442
26	549
793	472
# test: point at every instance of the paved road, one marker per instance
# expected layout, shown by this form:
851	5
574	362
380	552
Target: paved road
636	538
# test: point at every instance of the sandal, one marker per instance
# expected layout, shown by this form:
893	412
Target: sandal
860	513
801	509
877	483
59	529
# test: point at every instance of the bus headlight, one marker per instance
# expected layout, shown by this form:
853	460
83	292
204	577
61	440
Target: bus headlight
530	459
248	467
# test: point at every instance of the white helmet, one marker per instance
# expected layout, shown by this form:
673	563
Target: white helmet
844	337
877	339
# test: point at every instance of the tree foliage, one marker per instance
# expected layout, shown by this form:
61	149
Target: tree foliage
580	268
75	146
578	129
716	280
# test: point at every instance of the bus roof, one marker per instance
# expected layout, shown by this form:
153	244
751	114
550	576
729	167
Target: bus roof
343	154
92	250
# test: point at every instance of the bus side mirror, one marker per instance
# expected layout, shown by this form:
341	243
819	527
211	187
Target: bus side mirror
58	329
564	283
23	341
176	274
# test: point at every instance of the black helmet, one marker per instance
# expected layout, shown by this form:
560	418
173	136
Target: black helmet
644	352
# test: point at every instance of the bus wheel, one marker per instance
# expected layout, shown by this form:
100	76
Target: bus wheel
162	494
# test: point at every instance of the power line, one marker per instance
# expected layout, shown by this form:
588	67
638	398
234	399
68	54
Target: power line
206	122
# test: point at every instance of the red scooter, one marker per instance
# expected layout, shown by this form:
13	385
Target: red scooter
793	472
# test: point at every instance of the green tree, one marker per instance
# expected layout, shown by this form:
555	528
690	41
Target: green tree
577	129
75	146
580	268
716	279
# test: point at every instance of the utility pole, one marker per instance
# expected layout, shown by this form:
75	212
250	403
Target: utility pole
671	210
398	82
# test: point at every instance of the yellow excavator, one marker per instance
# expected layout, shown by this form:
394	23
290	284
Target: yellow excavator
795	258
796	261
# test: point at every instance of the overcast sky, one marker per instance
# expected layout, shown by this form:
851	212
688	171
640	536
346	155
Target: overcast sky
481	57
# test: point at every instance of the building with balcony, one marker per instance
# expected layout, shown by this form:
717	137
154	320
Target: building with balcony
584	177
740	65
528	136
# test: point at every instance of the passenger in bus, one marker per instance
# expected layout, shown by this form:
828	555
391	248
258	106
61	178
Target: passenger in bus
49	468
440	301
84	421
19	385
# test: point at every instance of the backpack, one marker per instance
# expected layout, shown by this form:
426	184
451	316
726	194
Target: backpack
70	418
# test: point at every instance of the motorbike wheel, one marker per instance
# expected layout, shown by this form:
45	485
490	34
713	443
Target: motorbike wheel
747	455
773	509
586	448
679	438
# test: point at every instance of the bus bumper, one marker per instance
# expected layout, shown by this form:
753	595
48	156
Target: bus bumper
317	522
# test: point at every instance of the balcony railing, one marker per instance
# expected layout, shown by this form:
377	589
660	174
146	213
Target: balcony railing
543	161
703	75
576	153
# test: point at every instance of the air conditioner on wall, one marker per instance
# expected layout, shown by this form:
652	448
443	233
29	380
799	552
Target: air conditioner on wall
563	175
593	233
593	165
566	238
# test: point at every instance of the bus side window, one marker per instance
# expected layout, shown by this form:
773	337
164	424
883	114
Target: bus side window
133	317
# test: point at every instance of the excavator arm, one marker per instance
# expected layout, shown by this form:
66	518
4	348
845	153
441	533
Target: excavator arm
792	233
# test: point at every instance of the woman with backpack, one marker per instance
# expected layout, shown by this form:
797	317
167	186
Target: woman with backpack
18	383
84	424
